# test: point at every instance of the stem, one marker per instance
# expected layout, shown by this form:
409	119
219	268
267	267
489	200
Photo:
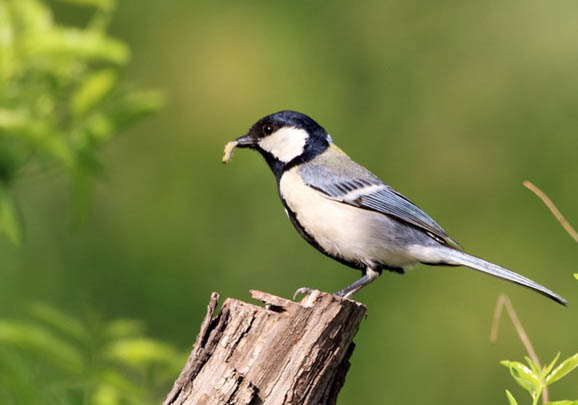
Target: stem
504	302
553	209
536	398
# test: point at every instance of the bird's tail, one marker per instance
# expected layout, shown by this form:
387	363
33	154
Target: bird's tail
457	257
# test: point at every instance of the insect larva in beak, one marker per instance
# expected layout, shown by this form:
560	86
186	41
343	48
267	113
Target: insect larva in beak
229	151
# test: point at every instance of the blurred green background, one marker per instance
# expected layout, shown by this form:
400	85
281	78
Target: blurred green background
454	104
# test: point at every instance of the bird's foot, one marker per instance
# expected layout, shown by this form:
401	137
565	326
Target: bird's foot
368	277
303	290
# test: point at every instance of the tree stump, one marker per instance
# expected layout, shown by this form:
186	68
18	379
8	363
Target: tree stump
283	353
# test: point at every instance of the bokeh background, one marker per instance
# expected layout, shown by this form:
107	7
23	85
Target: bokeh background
452	103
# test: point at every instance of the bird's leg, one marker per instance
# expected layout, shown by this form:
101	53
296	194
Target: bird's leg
369	275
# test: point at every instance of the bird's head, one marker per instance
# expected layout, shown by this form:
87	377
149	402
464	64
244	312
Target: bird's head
286	138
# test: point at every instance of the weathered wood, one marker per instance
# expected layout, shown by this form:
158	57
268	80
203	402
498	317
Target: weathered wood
280	354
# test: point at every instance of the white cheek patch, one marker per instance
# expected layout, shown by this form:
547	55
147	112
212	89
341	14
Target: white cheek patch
285	144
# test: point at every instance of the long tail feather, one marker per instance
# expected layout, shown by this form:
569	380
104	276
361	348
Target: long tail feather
464	259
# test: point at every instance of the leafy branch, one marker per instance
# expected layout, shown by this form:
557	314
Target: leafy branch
533	377
53	358
60	97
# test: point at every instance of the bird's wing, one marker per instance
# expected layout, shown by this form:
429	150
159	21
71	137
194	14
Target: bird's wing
341	179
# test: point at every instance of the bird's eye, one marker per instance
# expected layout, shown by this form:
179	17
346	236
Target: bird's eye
267	129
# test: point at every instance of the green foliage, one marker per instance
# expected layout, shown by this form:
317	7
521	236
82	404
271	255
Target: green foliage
60	99
52	357
511	398
566	367
534	379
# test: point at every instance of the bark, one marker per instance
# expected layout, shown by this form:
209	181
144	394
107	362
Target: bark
283	353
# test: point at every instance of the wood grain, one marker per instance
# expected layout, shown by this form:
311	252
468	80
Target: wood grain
281	353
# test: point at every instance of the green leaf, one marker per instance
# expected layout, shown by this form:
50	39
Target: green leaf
39	135
549	367
511	398
134	106
99	128
564	368
55	146
7	53
92	91
535	368
141	352
38	340
10	223
105	5
524	376
123	328
12	119
576	276
33	15
120	382
60	321
105	394
16	376
77	45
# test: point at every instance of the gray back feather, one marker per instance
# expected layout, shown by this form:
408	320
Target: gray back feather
336	175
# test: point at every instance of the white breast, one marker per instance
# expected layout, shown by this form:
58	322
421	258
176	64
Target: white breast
343	230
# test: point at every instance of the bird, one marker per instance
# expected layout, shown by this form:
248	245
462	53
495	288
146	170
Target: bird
349	214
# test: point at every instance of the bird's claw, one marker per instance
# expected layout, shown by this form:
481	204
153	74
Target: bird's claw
302	290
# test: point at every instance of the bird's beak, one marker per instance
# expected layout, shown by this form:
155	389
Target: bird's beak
246	141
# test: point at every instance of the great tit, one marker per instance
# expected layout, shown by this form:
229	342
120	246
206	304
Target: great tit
347	212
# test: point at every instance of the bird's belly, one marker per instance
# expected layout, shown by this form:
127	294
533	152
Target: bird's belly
351	233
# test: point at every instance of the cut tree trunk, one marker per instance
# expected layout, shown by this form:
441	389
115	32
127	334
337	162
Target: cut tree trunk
283	353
